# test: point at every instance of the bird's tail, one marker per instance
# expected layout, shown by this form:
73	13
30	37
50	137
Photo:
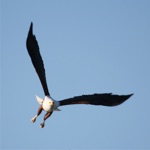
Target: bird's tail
40	100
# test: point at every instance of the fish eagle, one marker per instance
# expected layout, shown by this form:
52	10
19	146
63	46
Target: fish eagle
48	104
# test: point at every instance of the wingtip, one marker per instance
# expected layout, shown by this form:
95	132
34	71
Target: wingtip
128	96
31	23
122	99
131	94
31	27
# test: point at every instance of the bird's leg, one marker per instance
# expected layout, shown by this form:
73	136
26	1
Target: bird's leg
47	115
38	113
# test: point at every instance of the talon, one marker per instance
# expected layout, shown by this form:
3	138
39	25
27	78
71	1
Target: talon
33	119
42	125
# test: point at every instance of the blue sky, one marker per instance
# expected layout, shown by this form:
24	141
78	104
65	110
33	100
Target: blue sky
88	46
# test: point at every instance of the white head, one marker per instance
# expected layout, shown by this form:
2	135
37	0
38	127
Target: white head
48	103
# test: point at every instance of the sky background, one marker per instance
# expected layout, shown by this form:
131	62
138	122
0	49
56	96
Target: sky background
88	46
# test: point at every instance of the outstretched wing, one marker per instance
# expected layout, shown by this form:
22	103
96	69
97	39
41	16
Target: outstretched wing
33	50
96	99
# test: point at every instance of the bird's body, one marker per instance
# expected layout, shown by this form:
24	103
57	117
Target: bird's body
48	104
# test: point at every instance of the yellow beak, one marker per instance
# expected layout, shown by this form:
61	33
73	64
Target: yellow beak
51	102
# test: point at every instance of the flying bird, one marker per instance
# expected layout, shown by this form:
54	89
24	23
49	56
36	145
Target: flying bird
48	104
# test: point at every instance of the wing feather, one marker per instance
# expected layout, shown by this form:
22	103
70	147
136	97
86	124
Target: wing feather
107	99
34	52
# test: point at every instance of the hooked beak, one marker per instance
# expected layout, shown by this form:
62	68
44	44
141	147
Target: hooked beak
51	103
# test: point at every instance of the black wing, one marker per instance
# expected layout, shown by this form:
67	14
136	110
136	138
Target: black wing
33	50
96	99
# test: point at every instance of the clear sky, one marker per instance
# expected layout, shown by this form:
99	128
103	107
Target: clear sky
88	46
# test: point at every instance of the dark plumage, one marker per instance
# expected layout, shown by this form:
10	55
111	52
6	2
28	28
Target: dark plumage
48	103
34	52
96	99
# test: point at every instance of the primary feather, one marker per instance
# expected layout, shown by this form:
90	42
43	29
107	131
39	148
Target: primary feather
96	99
34	52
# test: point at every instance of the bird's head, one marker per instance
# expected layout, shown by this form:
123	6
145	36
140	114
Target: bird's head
48	104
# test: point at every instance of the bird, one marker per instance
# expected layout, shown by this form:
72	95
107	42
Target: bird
48	104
